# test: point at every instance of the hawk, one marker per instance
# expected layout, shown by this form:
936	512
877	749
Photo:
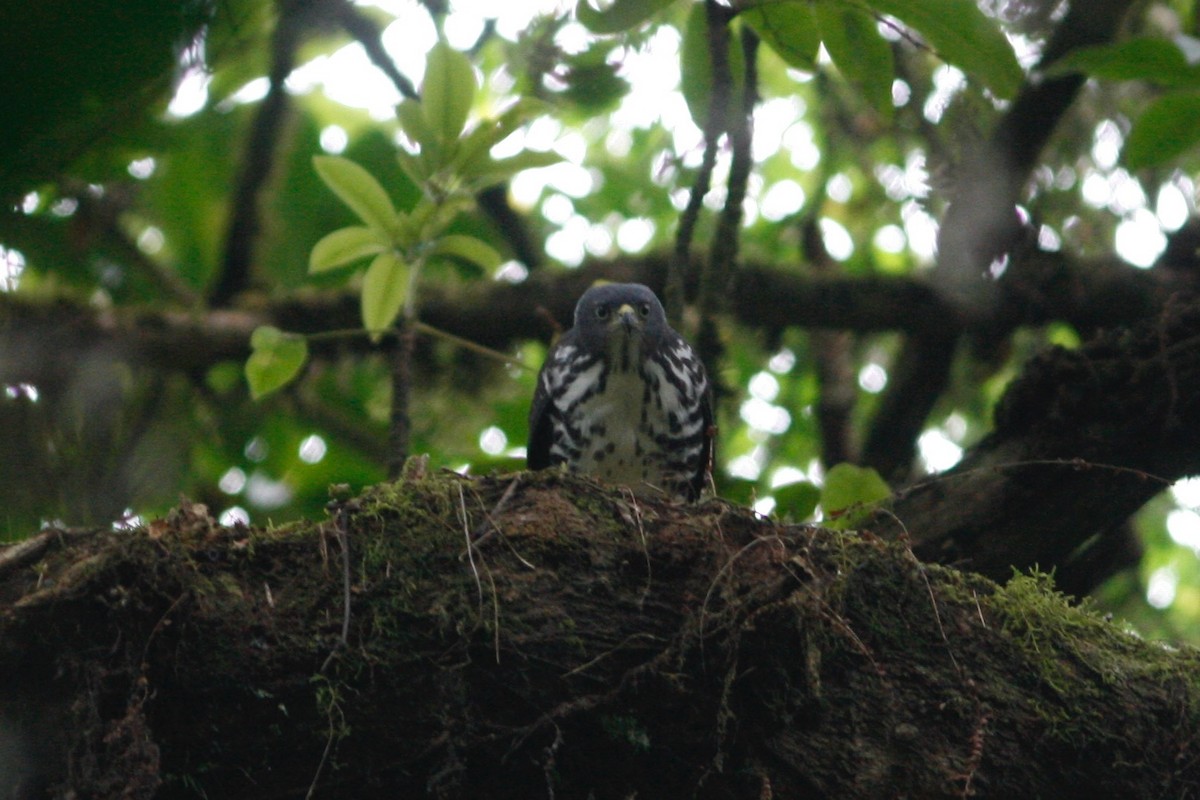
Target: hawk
623	397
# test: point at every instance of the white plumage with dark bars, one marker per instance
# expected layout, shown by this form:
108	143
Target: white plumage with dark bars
624	398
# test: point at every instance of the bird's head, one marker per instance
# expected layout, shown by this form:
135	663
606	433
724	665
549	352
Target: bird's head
615	313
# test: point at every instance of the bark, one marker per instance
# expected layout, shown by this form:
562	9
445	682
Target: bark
1081	440
36	332
539	636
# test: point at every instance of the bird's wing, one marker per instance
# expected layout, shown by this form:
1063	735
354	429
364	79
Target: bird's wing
541	433
707	451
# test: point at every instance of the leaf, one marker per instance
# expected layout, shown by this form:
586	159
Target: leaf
849	491
593	84
275	359
787	28
1155	60
447	92
495	171
860	53
696	77
357	189
467	248
429	218
345	245
413	166
385	288
415	124
1169	127
797	500
473	150
964	36
622	15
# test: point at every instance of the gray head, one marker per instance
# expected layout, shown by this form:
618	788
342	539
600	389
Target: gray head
627	308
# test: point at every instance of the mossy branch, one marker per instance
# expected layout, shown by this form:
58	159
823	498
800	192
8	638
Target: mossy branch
587	643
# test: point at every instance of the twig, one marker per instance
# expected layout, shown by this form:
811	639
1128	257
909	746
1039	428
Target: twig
486	528
24	553
340	524
467	344
158	626
723	260
258	158
101	215
329	740
426	328
370	37
462	509
718	47
833	359
979	608
726	567
398	432
718	271
1074	463
466	524
637	516
612	651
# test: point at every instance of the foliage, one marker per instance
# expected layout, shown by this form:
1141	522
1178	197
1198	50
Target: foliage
126	201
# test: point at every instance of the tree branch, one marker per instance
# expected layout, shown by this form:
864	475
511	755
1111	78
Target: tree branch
591	646
979	226
258	158
682	268
38	333
1082	439
367	34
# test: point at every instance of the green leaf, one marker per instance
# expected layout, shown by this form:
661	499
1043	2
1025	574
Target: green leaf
413	166
345	245
448	91
492	172
621	15
1155	60
469	249
850	491
787	28
385	288
593	84
429	218
964	36
417	126
473	150
696	69
860	53
1169	127
797	500
357	189
275	359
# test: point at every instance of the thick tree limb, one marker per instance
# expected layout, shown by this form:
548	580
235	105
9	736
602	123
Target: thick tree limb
551	639
36	334
1081	441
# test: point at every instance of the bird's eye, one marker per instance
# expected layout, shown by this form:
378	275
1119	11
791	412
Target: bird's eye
644	308
602	312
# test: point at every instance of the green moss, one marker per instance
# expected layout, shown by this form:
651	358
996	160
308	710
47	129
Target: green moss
1080	656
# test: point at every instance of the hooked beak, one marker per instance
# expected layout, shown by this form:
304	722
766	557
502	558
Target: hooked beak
627	318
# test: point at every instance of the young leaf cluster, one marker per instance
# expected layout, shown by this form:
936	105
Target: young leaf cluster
451	163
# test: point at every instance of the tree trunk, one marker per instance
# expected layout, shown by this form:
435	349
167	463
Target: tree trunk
539	636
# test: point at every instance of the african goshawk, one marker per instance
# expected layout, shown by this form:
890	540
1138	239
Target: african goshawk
623	397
